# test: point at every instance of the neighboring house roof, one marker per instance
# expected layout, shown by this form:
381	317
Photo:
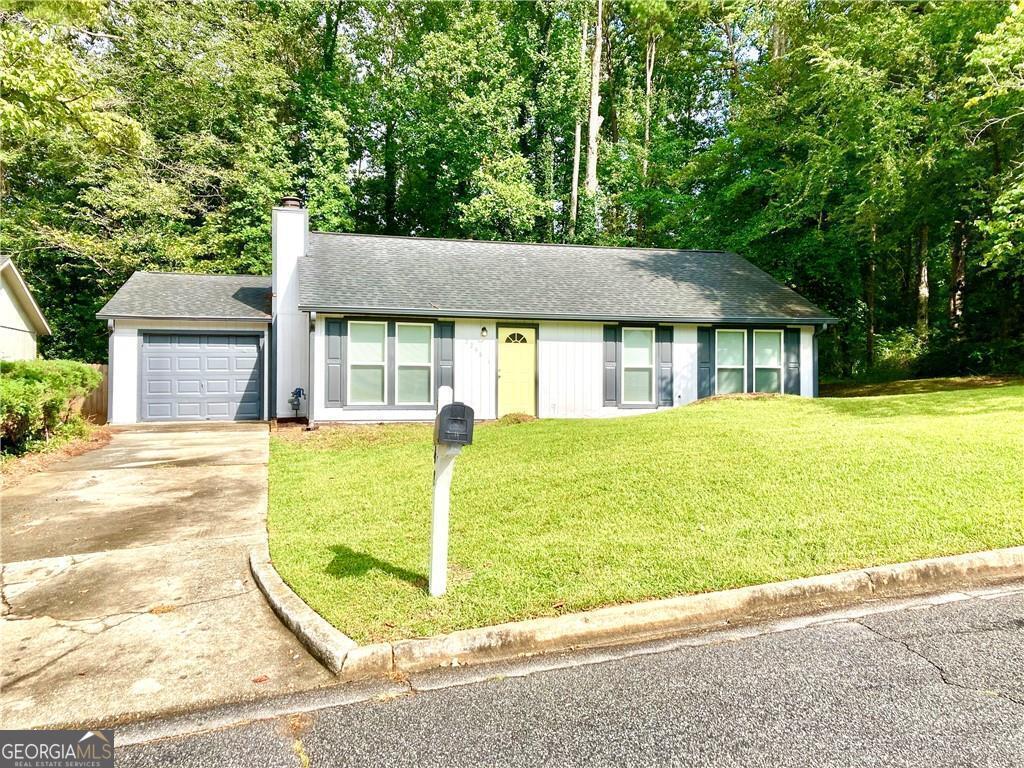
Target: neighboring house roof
25	297
477	278
154	295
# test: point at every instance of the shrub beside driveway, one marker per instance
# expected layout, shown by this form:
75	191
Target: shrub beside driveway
558	516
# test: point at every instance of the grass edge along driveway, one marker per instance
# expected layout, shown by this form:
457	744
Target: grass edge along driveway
556	516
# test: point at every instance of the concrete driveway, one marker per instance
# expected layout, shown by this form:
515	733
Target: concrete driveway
126	587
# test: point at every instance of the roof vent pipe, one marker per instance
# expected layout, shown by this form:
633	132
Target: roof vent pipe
291	201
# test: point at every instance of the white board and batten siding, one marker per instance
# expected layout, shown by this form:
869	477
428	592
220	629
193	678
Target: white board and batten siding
570	367
124	358
17	334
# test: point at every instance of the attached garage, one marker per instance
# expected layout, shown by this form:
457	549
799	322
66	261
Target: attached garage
189	348
201	376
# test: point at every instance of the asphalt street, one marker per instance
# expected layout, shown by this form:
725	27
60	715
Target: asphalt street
935	683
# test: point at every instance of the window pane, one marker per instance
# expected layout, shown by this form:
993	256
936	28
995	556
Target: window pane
636	385
730	347
767	380
730	381
414	343
768	348
637	346
367	385
413	385
366	342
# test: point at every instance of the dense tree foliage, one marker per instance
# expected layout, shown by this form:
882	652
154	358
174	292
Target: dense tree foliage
869	154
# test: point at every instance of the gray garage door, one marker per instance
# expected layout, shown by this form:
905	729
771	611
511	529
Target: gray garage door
195	377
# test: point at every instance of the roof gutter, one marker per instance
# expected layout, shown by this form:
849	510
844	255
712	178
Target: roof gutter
235	318
439	312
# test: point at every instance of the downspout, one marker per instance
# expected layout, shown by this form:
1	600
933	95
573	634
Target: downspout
272	400
110	369
311	369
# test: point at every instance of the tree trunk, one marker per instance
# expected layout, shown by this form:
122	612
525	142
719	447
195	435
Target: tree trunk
870	298
390	178
652	47
730	41
957	277
594	126
922	283
574	194
612	107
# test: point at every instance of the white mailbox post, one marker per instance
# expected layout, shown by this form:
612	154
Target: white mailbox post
453	428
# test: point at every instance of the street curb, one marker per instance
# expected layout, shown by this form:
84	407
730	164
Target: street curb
657	619
329	646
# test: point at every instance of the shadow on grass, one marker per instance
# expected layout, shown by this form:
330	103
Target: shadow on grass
915	386
347	563
980	401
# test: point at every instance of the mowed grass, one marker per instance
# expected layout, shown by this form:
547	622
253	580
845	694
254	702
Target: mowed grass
556	516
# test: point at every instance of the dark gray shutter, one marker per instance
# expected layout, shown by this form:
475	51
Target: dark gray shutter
792	357
445	368
663	341
334	389
814	366
705	364
611	364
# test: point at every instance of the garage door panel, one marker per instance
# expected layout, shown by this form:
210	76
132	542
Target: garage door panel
201	376
158	411
218	387
188	387
185	409
158	387
250	386
220	409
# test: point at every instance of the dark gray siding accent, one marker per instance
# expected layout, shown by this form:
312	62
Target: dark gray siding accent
334	389
815	368
792	361
612	335
705	362
444	346
663	342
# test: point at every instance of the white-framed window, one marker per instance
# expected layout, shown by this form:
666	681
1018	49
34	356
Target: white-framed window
638	365
367	362
768	361
730	361
414	363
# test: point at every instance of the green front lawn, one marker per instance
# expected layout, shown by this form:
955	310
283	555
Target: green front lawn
557	516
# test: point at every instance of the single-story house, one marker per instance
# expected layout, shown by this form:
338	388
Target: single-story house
369	327
21	319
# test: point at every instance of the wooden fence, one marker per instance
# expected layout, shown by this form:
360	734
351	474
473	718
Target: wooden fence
94	406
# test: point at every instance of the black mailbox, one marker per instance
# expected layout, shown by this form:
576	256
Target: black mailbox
454	425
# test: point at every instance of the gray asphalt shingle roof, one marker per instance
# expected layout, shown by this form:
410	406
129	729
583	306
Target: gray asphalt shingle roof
422	276
201	297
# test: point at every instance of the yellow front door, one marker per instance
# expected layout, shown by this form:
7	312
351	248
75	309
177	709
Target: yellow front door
517	370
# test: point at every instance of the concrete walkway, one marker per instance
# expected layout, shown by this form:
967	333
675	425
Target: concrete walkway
126	588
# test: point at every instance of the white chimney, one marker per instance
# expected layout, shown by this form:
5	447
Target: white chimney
289	234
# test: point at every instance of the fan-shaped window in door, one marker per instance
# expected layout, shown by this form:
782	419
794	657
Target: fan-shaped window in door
515	338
